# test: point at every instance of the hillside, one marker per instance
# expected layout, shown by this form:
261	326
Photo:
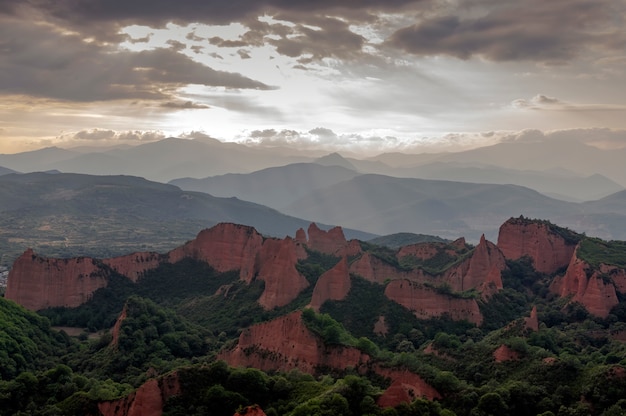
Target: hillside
437	328
72	214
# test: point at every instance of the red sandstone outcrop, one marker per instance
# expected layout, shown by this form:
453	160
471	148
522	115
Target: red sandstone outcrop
375	270
253	410
115	332
617	275
519	237
504	353
286	343
147	400
225	247
481	271
380	327
485	268
332	242
135	265
532	322
425	251
586	286
405	387
426	303
332	285
37	282
277	267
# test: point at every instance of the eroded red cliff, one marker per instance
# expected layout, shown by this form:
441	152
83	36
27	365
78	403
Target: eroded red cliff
286	343
332	242
37	282
332	285
147	400
549	250
587	286
225	247
277	268
426	302
135	265
405	387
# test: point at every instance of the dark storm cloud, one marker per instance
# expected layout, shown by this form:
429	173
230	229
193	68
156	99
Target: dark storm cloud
552	31
184	105
39	61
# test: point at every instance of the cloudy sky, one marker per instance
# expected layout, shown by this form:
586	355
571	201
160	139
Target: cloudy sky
375	75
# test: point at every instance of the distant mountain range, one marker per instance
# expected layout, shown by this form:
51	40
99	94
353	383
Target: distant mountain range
73	214
569	171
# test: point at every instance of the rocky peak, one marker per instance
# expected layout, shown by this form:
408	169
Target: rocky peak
332	285
147	400
485	268
225	247
587	286
277	268
332	242
539	240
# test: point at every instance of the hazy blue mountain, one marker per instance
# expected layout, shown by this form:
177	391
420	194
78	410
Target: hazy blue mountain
162	161
335	159
560	185
385	205
275	187
72	214
36	160
6	171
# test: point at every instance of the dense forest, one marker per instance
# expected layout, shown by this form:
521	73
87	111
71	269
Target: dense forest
178	318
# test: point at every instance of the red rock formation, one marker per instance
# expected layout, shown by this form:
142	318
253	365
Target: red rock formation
425	251
586	286
532	322
225	247
332	242
286	343
549	251
426	303
332	285
380	327
504	353
37	282
115	332
135	265
147	400
405	387
277	267
253	410
617	275
375	270
485	269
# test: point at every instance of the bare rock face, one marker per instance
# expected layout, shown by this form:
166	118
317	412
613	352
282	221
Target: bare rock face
426	303
504	353
549	251
286	343
485	268
332	285
405	387
380	327
586	286
147	400
532	322
332	242
375	270
225	247
37	282
135	265
253	410
277	267
617	275
115	332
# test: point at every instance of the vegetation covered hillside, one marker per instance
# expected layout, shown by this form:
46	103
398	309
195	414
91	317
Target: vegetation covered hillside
534	352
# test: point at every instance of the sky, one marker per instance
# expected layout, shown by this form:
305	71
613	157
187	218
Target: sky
369	76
